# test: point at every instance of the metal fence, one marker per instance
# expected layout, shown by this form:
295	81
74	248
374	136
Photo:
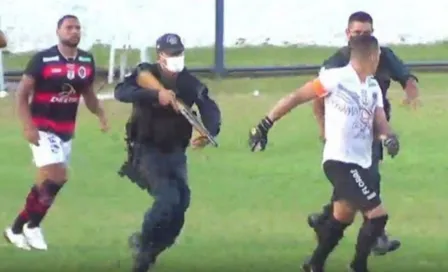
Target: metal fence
219	68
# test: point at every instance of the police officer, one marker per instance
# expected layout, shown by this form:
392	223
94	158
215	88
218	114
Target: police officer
390	67
157	137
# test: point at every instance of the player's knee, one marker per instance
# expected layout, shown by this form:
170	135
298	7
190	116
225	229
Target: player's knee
55	172
343	211
378	211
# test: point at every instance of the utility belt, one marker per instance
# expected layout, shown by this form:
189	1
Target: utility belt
164	134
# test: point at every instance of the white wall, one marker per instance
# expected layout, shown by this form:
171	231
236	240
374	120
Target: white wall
31	26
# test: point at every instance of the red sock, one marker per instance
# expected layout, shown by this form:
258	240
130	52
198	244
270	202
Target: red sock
38	202
24	216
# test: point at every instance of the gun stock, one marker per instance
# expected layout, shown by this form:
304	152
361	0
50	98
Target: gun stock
147	80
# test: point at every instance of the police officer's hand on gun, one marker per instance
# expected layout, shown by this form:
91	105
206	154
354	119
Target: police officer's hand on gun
168	98
31	134
392	144
258	135
199	142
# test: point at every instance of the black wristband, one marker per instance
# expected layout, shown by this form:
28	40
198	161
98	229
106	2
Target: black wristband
265	124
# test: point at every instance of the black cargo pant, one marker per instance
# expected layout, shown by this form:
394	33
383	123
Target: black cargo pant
166	174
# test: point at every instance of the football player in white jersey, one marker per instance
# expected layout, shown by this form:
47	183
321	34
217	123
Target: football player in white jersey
354	116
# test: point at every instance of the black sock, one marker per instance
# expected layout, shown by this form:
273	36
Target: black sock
329	235
367	236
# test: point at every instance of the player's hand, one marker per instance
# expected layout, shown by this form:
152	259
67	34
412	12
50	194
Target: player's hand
199	142
258	135
392	144
168	98
104	124
31	134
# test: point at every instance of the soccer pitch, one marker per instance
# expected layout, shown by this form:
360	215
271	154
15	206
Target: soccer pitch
248	210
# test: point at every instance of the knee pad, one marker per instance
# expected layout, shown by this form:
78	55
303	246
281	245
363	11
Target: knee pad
375	226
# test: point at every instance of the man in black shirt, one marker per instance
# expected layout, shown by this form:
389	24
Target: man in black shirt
157	137
390	68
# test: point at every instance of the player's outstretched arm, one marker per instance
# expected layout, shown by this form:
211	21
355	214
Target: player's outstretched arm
3	41
307	92
258	135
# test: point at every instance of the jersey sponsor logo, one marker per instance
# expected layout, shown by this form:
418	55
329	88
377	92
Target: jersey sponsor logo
85	59
68	95
50	59
362	185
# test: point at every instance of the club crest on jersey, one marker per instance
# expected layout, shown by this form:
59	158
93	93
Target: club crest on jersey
82	72
70	71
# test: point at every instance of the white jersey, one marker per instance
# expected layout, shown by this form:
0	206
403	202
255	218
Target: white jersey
349	114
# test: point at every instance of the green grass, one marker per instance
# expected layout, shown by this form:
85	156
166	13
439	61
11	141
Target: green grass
248	210
254	56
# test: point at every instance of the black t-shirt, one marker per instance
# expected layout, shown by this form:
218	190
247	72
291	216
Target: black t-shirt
59	82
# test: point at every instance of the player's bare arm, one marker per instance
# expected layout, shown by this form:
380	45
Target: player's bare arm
258	135
319	114
94	106
302	95
385	133
23	94
3	41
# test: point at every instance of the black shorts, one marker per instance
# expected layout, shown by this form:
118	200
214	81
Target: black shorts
352	183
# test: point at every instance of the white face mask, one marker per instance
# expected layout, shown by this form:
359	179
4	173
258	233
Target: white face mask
175	64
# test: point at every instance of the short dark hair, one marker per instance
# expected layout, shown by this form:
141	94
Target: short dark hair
363	45
360	16
66	17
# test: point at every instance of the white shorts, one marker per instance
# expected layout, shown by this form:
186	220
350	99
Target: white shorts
51	150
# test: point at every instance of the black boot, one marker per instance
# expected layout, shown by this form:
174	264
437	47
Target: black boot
385	245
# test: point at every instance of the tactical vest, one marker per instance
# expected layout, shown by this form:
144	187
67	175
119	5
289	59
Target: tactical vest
161	126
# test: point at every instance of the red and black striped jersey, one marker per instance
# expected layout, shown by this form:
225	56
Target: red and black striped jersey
59	82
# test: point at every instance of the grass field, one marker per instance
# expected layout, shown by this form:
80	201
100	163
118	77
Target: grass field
248	210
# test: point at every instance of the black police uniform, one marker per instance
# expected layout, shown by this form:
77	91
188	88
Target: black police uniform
157	139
